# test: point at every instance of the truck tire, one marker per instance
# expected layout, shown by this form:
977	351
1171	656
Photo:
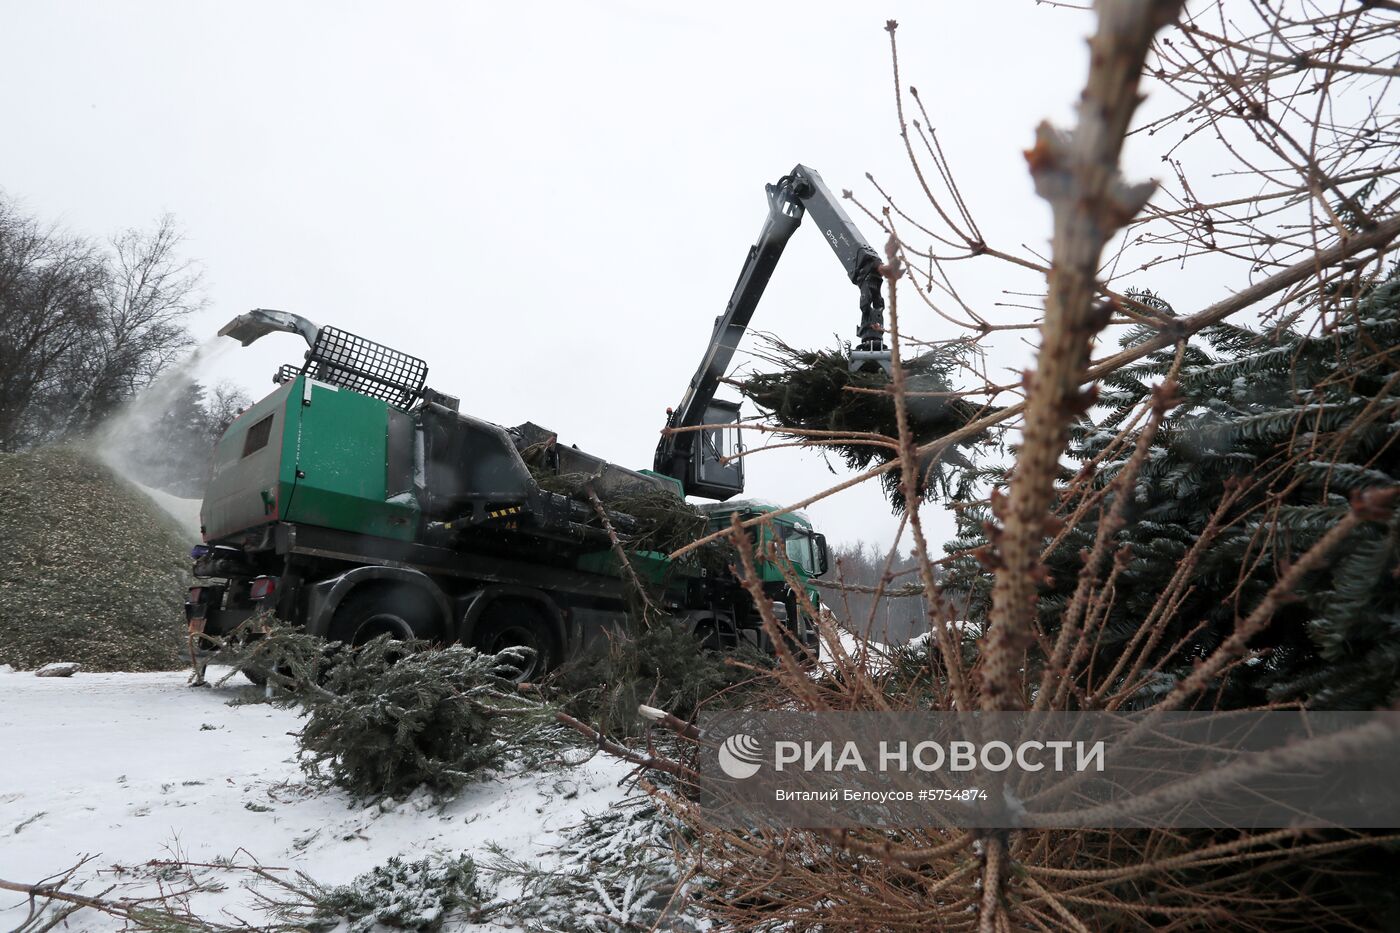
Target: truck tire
254	675
717	636
509	623
399	612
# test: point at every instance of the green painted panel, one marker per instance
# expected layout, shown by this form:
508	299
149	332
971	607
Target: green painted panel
650	566
775	531
340	462
253	469
674	484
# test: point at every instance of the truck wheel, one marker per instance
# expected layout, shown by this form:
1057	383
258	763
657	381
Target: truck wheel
399	612
255	675
509	623
716	636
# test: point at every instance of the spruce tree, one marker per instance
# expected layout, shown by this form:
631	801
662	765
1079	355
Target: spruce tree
388	717
1300	421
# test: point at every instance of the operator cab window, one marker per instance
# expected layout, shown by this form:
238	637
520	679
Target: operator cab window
257	437
718	443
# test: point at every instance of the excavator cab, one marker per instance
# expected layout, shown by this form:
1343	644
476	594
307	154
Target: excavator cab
716	469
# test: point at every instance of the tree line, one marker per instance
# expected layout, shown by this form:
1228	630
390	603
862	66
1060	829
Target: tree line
894	614
86	325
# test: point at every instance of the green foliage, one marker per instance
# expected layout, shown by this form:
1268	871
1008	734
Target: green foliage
391	716
666	521
1302	421
916	672
809	392
664	666
385	722
617	871
417	895
644	518
267	650
663	520
91	570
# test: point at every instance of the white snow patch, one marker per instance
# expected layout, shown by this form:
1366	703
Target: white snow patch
854	644
185	512
58	669
857	647
134	767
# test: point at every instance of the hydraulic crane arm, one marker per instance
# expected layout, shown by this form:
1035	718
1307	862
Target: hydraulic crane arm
694	457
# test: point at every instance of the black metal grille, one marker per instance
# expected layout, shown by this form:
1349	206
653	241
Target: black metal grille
343	359
286	374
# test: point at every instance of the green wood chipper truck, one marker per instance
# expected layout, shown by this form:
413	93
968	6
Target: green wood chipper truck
356	501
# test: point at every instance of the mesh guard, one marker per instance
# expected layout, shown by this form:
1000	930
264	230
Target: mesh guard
343	359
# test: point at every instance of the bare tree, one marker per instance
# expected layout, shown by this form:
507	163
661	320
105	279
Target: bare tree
878	599
49	287
83	328
226	403
147	294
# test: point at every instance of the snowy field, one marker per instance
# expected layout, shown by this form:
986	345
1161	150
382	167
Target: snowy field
128	768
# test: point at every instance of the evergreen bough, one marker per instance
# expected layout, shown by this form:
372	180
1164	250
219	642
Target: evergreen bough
422	895
617	871
389	717
663	665
810	390
1303	421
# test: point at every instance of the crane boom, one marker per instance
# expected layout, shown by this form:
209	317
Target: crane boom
697	458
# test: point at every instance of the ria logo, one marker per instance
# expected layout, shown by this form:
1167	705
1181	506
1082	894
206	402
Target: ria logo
739	756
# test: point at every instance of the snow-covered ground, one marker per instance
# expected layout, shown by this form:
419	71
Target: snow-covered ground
856	647
134	767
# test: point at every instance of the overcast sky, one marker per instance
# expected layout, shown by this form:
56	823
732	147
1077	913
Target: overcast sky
549	202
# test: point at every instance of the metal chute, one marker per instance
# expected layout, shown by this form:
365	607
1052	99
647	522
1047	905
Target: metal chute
263	321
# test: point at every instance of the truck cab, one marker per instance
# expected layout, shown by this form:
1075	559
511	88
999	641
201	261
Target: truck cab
803	547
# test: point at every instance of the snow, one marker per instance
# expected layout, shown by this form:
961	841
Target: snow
854	644
134	767
875	655
185	512
58	669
